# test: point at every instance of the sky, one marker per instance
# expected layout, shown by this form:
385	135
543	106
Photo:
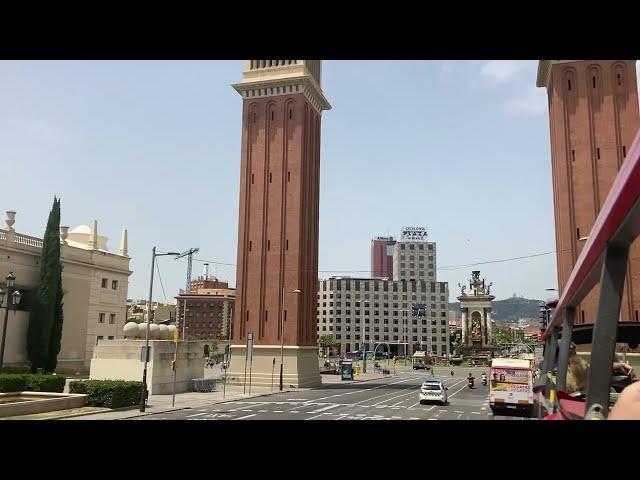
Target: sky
460	147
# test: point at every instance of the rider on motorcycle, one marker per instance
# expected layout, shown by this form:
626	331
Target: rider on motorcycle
484	378
470	379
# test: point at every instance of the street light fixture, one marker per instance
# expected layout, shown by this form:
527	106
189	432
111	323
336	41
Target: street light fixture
282	338
143	394
13	300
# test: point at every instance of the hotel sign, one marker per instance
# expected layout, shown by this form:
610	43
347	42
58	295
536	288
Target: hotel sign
413	234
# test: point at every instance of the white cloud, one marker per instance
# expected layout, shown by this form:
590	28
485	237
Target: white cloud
528	101
505	71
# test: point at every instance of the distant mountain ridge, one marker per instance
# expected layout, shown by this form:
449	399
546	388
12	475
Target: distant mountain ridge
509	310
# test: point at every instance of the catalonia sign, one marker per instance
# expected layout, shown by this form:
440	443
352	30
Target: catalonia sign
413	234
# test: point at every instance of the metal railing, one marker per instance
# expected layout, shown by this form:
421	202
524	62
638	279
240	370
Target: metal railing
603	261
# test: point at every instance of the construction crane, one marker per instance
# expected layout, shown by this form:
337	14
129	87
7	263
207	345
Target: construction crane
189	254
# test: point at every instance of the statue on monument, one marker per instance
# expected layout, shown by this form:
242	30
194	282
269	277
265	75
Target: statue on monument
475	328
462	288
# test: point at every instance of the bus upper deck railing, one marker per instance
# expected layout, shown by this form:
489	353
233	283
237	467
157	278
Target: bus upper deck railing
603	260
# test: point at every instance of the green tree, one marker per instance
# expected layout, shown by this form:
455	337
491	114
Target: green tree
501	334
45	323
56	331
326	342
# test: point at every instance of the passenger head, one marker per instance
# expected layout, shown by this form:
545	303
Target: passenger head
577	374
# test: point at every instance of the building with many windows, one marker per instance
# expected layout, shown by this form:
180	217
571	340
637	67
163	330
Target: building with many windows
206	310
378	311
382	257
414	260
95	282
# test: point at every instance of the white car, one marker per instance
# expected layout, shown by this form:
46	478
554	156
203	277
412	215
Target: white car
433	391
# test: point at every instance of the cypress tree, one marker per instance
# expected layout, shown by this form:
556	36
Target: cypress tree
56	331
43	313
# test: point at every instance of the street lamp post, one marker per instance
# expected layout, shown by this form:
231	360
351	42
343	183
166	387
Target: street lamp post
143	394
282	338
362	335
13	299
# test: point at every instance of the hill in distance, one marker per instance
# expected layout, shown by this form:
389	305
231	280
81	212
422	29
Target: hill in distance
509	310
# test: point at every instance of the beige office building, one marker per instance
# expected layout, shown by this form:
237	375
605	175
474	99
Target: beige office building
95	282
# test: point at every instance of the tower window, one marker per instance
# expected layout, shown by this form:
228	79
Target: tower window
598	153
624	151
578	233
270	177
290	114
573	155
582	311
287	245
266	315
288	176
636	315
254	118
272	112
594	81
250	245
268	244
619	80
569	84
252	179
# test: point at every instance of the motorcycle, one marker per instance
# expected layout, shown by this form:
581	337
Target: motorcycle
470	382
484	381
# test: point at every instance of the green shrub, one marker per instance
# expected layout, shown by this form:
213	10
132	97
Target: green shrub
16	370
46	383
108	393
26	382
13	382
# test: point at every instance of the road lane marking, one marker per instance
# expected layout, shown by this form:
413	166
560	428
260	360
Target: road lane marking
328	407
246	416
277	411
196	415
364	390
458	411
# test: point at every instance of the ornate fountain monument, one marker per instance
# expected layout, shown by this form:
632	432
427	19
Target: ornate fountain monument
477	341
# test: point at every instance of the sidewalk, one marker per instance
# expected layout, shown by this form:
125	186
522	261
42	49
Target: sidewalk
190	400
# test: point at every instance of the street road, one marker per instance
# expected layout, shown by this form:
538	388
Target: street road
391	398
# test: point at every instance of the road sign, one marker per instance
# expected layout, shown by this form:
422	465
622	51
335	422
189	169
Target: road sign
142	354
250	347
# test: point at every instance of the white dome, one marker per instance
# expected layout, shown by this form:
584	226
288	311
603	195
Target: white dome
130	330
142	329
81	229
154	331
164	331
79	237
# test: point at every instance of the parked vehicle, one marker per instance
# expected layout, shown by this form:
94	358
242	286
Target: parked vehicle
433	391
421	360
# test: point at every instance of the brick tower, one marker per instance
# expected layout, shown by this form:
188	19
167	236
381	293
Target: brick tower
593	114
277	268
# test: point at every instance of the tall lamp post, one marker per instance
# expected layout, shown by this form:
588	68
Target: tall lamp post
282	338
13	300
143	394
362	334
